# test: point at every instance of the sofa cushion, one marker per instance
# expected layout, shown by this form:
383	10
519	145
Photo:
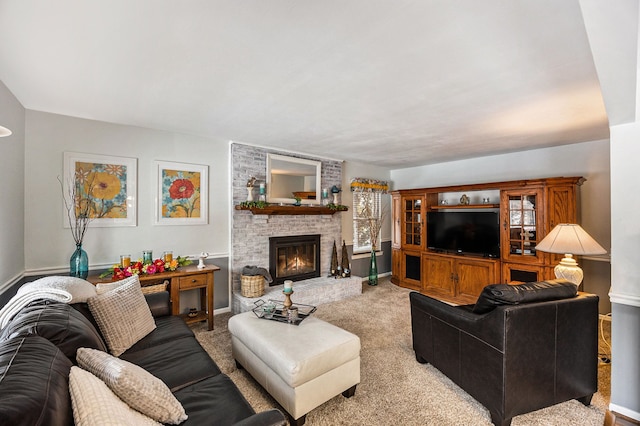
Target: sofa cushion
167	329
495	295
95	404
123	316
57	322
134	385
34	385
188	362
213	401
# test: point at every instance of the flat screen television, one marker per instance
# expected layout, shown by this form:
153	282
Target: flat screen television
464	232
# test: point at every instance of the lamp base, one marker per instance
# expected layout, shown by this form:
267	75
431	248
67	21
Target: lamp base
569	270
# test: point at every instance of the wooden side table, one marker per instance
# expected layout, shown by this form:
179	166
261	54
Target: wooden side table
184	278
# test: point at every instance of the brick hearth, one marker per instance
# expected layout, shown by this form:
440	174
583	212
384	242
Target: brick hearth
314	291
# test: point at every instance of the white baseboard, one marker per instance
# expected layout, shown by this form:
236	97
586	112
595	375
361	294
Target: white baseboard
7	285
625	411
221	310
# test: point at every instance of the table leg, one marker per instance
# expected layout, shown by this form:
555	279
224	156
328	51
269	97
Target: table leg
210	300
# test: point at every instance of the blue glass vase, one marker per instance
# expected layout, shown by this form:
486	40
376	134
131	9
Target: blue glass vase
373	269
79	263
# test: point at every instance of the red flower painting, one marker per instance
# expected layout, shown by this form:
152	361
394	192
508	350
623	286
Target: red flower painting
181	188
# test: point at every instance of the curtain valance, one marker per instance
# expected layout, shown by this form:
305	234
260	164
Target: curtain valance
369	185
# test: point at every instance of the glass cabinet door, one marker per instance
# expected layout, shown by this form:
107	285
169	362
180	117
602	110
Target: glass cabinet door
521	224
412	226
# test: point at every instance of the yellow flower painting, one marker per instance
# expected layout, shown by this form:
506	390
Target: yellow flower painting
103	187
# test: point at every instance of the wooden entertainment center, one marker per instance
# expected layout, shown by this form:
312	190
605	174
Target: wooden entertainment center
527	210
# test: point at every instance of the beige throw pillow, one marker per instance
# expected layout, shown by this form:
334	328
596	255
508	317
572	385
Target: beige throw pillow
102	288
134	385
123	316
93	403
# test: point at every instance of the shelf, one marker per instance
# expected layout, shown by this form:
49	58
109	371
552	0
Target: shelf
465	206
291	210
202	316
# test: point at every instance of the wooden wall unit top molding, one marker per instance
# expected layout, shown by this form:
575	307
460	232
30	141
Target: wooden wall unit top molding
512	184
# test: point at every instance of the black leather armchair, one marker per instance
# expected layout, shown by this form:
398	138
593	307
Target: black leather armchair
516	358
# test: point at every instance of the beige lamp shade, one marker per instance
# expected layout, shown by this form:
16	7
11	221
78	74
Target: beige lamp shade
569	239
4	132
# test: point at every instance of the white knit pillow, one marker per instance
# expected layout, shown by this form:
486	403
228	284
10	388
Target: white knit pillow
123	316
102	288
134	385
93	403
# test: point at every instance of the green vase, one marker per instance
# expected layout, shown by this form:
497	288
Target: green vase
373	269
79	263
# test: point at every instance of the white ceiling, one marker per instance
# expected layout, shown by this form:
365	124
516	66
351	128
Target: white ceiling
392	83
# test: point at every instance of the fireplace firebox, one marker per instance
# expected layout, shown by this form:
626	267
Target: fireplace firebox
295	258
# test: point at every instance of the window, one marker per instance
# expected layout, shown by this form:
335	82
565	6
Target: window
367	216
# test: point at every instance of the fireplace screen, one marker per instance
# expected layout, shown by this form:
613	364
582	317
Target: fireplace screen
294	258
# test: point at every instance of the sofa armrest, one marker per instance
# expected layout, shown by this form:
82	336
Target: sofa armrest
489	327
266	418
159	303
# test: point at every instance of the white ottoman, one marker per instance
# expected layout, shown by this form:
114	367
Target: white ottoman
300	366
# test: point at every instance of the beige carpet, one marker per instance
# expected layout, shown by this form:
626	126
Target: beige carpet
394	388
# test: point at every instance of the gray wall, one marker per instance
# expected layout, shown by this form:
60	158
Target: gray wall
48	244
12	174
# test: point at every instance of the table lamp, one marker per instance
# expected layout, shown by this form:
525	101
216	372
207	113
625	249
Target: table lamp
569	239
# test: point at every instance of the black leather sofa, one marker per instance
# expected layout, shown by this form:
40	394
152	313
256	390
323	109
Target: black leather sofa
37	350
524	353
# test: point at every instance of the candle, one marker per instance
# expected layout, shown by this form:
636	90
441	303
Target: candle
325	193
262	189
288	286
168	256
125	260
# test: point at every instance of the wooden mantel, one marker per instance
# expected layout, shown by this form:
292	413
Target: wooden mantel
291	210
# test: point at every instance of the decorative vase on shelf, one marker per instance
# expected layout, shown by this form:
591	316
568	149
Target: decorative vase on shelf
346	268
79	263
334	260
373	269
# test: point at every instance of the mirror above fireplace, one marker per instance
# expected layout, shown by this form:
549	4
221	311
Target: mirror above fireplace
288	177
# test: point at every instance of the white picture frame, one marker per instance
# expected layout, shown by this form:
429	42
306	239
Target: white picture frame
182	193
112	182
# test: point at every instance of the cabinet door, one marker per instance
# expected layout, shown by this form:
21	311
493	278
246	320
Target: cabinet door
396	265
413	222
396	217
438	275
473	275
522	219
518	274
561	202
411	270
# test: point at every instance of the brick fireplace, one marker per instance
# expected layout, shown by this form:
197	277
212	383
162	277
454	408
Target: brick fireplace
250	234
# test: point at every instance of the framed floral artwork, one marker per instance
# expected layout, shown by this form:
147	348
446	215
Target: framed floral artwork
182	194
102	187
